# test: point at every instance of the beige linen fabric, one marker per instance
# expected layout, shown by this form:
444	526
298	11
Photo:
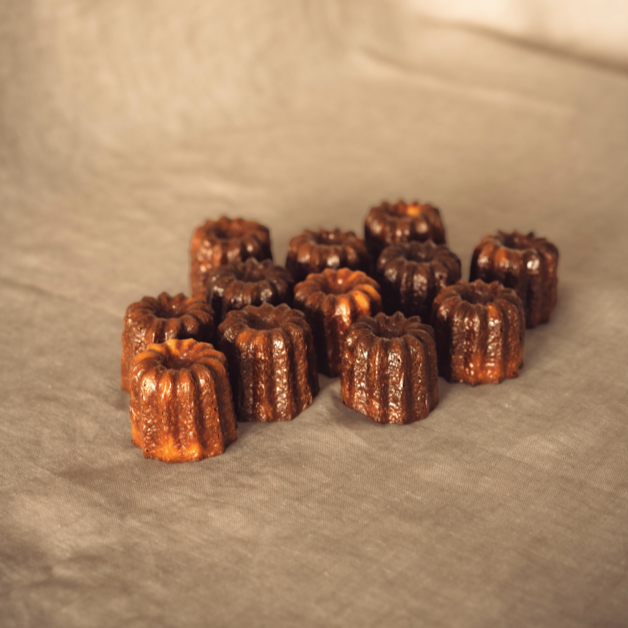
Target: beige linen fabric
593	29
125	124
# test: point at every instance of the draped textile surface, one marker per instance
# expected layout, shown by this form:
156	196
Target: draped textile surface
125	124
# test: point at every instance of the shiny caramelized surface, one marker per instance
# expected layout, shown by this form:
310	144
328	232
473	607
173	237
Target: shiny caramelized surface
181	402
479	331
222	241
331	301
272	361
153	320
389	223
250	282
411	274
313	251
524	262
390	369
343	281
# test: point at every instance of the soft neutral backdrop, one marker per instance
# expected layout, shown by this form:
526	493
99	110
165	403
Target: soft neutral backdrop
124	125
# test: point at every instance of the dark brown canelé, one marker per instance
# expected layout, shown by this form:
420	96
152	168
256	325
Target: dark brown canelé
331	301
156	320
222	241
271	361
525	263
238	284
390	223
181	402
390	369
313	251
411	274
479	331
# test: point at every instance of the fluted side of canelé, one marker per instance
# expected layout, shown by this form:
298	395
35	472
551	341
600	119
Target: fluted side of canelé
272	362
390	223
332	301
525	263
251	282
181	401
389	369
411	274
222	241
314	251
479	331
156	320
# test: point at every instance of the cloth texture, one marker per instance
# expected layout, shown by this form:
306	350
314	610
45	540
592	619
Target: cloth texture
123	126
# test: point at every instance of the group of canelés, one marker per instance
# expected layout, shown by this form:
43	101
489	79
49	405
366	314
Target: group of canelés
341	306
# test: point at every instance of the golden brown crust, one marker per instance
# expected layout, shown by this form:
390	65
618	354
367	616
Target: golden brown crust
390	223
525	263
238	284
156	320
313	251
389	369
411	274
479	331
222	241
271	361
332	301
181	402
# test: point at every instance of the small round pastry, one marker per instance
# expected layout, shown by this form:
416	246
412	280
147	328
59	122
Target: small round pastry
525	263
271	361
390	369
181	402
479	331
238	284
222	241
332	300
313	251
411	274
156	320
390	223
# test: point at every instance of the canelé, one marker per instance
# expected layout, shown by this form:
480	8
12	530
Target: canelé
389	223
222	241
238	284
156	320
181	401
389	369
411	274
331	301
479	331
271	361
527	264
314	251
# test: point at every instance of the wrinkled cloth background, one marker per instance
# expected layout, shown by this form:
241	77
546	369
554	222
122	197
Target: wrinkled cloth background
124	125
